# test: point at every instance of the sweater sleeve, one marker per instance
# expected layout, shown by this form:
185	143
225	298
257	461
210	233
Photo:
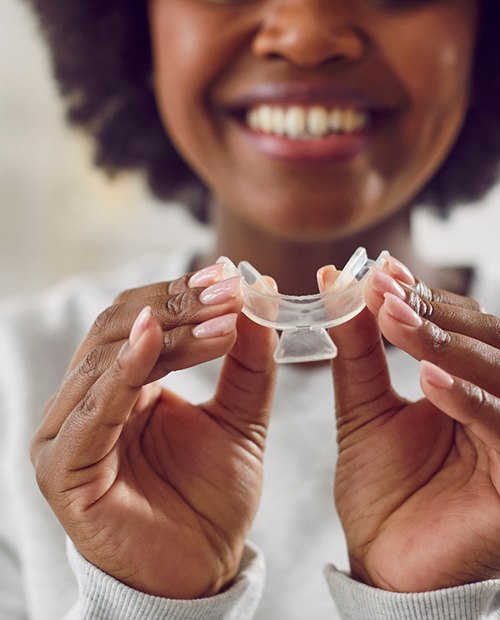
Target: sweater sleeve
357	601
101	597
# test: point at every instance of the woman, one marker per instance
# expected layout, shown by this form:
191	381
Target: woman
315	127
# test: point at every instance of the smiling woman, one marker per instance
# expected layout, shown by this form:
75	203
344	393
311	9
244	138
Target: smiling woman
305	128
304	55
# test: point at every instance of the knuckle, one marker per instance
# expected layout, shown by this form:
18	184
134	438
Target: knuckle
180	307
422	290
493	327
83	412
477	397
91	367
170	341
44	475
43	479
87	406
103	321
475	305
421	305
179	285
439	338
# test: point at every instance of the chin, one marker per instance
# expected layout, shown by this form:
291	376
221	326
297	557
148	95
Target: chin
308	226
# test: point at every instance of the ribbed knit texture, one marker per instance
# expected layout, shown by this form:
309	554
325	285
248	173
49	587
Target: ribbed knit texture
357	601
104	598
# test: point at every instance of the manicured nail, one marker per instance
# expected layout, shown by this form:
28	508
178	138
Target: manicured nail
436	376
221	291
401	311
219	326
400	271
326	277
140	325
207	275
384	283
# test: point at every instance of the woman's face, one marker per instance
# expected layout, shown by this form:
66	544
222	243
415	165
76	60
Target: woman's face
313	118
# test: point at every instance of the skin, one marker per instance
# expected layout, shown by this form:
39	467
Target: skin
216	52
124	466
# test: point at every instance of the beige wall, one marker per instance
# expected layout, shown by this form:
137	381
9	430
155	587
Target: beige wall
58	215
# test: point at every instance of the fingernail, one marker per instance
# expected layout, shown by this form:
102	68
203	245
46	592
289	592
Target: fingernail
401	311
384	283
326	277
400	271
206	276
271	282
221	291
219	326
436	376
140	325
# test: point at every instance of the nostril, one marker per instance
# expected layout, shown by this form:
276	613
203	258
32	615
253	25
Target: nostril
309	43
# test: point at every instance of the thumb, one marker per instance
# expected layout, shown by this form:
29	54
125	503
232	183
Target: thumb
362	383
246	385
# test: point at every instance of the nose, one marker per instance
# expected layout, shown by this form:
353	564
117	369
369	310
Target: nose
309	33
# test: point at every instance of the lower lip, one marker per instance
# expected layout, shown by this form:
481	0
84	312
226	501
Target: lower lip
328	149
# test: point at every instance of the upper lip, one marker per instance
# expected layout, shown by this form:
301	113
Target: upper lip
306	94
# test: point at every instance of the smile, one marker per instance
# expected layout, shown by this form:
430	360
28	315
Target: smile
305	123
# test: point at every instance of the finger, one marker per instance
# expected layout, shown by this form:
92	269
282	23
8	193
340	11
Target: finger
449	317
193	305
182	347
458	354
394	270
90	431
463	401
204	277
360	371
246	385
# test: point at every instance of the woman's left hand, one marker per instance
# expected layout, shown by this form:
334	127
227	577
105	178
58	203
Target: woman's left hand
418	483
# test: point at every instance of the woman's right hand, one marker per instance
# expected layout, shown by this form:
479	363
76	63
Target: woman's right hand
156	491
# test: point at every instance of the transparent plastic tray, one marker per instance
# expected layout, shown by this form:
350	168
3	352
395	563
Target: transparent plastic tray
303	320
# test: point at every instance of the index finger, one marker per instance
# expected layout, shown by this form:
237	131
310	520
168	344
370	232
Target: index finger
449	311
411	283
203	277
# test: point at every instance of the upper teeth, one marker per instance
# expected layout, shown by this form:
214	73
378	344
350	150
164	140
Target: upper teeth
300	122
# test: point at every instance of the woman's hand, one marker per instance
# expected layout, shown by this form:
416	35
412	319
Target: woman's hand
154	490
418	484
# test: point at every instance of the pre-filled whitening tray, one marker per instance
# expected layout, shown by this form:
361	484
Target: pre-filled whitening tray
304	319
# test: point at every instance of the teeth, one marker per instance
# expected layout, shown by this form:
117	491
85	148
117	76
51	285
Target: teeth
295	122
300	122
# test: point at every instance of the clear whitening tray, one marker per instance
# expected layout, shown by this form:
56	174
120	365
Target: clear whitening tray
303	320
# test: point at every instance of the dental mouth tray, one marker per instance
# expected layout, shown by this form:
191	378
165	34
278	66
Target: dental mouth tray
303	320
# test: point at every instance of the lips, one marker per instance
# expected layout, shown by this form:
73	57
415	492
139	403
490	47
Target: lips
300	122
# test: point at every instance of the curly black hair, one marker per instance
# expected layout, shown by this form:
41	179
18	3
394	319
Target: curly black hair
105	80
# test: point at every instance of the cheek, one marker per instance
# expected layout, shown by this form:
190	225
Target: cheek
182	69
437	69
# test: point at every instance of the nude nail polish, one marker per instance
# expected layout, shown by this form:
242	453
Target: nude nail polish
401	311
384	283
400	271
140	325
436	376
207	275
221	291
219	326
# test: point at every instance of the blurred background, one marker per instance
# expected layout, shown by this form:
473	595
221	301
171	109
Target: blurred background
59	215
